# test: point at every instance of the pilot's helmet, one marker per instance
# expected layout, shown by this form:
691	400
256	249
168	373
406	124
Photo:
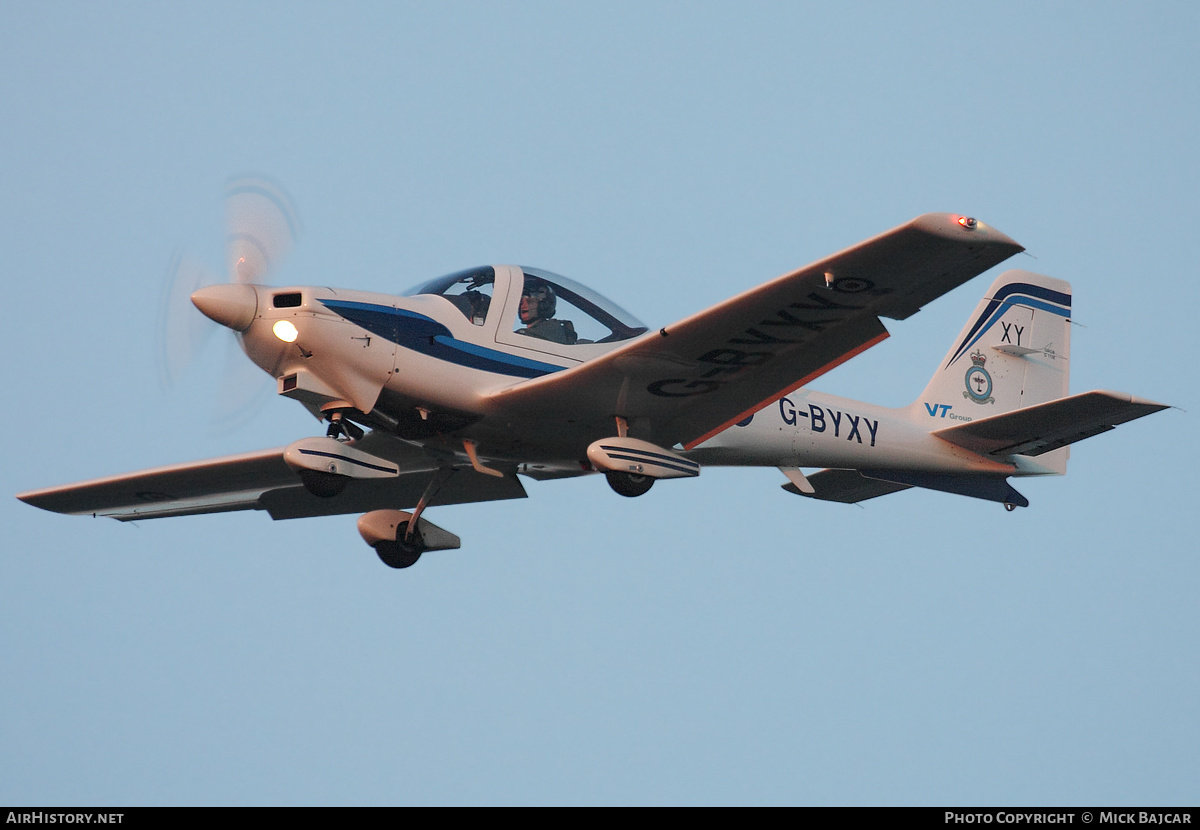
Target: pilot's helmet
541	291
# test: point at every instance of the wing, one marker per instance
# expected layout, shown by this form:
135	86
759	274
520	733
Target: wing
263	481
690	380
1048	426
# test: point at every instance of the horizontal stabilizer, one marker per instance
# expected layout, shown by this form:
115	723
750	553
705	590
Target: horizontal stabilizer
852	486
845	486
1048	426
988	488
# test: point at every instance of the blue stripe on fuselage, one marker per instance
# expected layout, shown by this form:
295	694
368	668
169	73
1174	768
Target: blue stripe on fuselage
429	337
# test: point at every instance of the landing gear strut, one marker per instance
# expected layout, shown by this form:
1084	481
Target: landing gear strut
406	547
339	424
399	541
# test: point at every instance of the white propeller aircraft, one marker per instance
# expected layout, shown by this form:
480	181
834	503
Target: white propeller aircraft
447	394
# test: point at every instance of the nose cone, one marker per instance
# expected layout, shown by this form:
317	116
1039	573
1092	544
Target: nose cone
230	304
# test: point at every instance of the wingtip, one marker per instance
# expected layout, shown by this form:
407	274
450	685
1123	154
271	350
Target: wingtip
1153	406
41	499
962	226
1126	398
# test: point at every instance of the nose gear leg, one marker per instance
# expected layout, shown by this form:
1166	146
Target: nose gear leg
339	425
431	489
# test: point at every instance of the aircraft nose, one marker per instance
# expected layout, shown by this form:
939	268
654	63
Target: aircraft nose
230	304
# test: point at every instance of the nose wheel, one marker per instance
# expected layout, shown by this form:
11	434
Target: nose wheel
404	551
406	548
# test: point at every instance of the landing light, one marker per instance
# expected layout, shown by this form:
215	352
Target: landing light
285	331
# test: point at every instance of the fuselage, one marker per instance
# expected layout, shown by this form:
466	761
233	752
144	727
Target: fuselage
806	428
421	365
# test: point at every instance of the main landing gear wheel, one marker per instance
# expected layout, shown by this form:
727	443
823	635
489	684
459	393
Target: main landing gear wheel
322	484
628	484
401	553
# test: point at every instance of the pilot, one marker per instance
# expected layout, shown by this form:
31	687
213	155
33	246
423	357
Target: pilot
538	305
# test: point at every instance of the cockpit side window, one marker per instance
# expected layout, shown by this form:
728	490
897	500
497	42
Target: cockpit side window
469	291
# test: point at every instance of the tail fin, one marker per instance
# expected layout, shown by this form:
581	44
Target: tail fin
1012	353
1001	393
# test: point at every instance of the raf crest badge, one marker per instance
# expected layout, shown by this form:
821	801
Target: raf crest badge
979	382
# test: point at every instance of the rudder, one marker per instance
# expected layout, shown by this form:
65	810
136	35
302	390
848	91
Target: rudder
1012	353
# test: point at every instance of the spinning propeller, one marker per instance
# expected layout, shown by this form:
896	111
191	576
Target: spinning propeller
261	228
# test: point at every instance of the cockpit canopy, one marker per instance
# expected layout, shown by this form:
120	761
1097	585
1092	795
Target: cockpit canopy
552	308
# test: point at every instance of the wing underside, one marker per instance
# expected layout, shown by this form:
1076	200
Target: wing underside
263	481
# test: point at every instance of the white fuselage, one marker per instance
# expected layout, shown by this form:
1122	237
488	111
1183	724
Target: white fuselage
337	359
811	429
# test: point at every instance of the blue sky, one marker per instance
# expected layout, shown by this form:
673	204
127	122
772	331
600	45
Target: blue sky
717	641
